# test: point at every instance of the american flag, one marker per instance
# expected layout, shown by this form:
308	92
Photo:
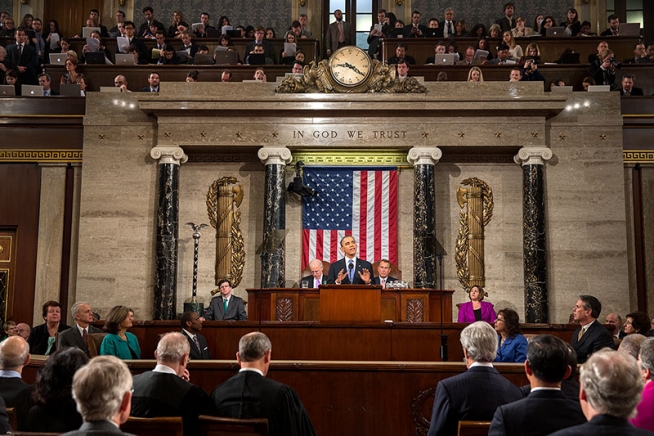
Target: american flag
350	201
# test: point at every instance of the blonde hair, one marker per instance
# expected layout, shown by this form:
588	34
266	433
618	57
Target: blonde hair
532	46
481	75
512	42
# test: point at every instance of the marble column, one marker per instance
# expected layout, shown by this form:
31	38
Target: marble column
165	283
273	257
423	160
532	160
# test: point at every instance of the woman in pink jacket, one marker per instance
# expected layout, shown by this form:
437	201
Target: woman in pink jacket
476	309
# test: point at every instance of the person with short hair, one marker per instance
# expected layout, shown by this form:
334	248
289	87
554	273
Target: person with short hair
298	68
191	326
42	338
226	76
339	34
103	393
640	55
119	342
78	336
120	19
225	306
201	31
350	270
515	75
615	320
269	399
614	26
401	53
148	13
14	356
507	22
153	83
23	330
415	29
645	410
628	89
384	266
631	344
316	278
9	329
591	336
475	394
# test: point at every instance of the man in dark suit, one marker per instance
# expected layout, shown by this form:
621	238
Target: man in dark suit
78	335
415	29
249	394
448	24
148	13
378	30
268	49
225	306
23	55
615	320
546	409
611	385
165	391
153	83
614	26
383	271
45	81
130	30
14	356
350	269
478	392
191	326
190	47
591	336
106	378
400	53
316	278
628	88
507	22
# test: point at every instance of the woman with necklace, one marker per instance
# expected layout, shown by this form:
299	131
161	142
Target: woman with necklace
119	342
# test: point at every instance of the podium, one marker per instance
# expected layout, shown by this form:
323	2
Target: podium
350	303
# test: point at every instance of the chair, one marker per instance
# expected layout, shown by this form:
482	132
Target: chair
214	426
395	271
474	428
160	426
325	269
95	339
13	418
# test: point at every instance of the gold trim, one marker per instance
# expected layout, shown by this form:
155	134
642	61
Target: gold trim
637	115
40	116
11	244
349	157
41	156
638	156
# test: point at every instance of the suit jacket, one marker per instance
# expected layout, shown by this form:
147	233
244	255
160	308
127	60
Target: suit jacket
235	309
160	394
38	339
595	338
97	428
409	60
514	349
55	417
467	313
311	281
268	49
331	36
603	425
471	396
250	395
194	50
541	413
138	42
408	34
146	27
634	91
17	394
569	389
441	26
359	266
505	24
4	419
203	352
73	338
28	59
377	280
607	32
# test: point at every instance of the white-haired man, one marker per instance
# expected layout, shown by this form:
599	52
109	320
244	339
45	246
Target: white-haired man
103	392
78	336
316	278
478	392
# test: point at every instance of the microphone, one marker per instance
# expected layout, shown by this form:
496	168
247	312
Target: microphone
350	266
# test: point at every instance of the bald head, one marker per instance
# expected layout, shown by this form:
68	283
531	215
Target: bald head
14	353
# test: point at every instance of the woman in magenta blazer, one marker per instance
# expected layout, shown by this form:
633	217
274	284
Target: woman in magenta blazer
476	309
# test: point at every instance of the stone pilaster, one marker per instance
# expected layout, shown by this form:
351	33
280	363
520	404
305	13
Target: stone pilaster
165	284
532	160
273	254
424	202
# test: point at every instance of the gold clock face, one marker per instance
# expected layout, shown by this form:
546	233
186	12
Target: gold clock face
350	66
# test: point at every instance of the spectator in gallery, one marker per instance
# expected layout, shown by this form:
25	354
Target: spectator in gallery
548	22
507	22
298	68
515	51
476	309
591	336
475	75
635	322
586	82
604	72
520	30
614	26
224	305
23	330
78	335
43	337
119	342
226	76
192	76
512	345
572	24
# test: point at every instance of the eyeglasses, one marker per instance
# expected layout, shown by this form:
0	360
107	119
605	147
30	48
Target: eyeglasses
499	320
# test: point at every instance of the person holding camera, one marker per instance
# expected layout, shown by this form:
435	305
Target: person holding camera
530	71
605	73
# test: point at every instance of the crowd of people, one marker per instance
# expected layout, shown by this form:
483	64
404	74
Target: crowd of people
22	62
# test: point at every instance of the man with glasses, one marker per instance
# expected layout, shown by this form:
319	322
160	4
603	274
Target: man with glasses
130	30
268	49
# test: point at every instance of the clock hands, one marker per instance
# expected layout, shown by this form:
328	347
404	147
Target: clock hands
351	67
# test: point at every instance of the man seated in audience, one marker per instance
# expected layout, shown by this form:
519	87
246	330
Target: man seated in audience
148	13
23	330
503	55
469	58
400	53
5	64
268	49
201	31
628	88
153	83
594	57
507	22
258	49
515	75
479	391
165	391
614	25
226	76
296	28
650	51
191	326
103	392
615	320
377	30
23	55
224	306
94	16
384	266
14	356
169	57
640	55
546	409
586	82
439	49
78	336
121	82
530	72
591	336
433	24
304	20
9	329
645	410
120	19
298	68
265	398
132	40
160	39
299	56
190	47
611	386
45	81
631	344
316	278
415	29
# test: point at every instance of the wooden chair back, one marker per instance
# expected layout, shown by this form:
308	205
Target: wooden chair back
13	417
395	271
474	428
161	426
95	339
325	269
214	426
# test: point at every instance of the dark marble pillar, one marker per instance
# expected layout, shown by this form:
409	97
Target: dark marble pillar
165	283
532	160
273	254
424	202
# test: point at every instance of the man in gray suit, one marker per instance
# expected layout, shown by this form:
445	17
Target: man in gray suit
339	34
225	306
78	336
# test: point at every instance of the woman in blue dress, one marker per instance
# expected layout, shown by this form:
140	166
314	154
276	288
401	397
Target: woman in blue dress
511	346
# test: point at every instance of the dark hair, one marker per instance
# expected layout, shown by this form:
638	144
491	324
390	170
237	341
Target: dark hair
295	23
54	382
148	9
11	73
115	317
576	14
94	10
588	80
229	73
572	360
403	45
221	19
205	13
400	62
227	280
593	304
415	12
127	23
50	303
548	358
186	317
121	12
612	17
506	5
160	32
640	322
193	75
273	30
511	321
203	48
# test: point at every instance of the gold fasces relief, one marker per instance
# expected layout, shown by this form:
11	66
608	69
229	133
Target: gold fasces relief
476	203
223	200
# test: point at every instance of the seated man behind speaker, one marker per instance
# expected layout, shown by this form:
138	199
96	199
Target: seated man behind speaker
225	306
383	271
191	326
316	278
250	394
350	270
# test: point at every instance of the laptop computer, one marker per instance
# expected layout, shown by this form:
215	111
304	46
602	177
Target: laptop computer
256	59
561	89
234	33
227	57
202	59
125	59
86	31
95	58
555	32
629	29
31	91
58	58
70	90
214	33
599	88
445	59
432	33
7	90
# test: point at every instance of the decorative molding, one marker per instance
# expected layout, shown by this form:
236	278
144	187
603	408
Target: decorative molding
275	155
533	156
284	309
349	157
41	156
169	155
638	156
424	155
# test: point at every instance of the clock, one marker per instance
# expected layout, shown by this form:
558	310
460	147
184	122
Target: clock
350	66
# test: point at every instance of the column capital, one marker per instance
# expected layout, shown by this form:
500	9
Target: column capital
169	155
424	155
275	155
532	156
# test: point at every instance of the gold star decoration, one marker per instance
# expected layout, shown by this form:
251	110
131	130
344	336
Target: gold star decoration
275	134
561	137
534	134
603	137
425	134
203	134
498	134
239	135
141	137
461	135
167	134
